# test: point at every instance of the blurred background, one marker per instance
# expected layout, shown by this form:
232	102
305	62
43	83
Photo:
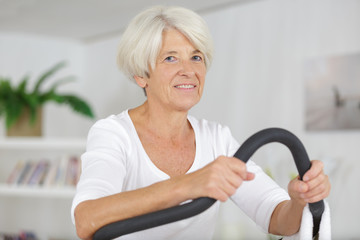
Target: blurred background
258	79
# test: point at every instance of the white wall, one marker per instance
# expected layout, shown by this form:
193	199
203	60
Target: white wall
255	82
110	91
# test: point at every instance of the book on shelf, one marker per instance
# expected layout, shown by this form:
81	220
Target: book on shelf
64	171
16	172
23	235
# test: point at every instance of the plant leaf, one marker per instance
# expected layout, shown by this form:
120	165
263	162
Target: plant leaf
13	109
46	75
78	105
49	95
5	91
21	89
62	81
5	87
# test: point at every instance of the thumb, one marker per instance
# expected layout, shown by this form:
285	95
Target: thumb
249	176
298	186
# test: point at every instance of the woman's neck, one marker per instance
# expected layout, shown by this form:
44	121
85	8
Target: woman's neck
168	124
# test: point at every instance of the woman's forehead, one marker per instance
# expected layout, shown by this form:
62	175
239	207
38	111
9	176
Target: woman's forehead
174	41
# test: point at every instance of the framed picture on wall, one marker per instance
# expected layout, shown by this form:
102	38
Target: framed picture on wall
332	92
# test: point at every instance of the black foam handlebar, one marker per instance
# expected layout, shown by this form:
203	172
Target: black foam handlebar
246	150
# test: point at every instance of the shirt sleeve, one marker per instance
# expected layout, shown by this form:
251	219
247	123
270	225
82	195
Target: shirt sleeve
103	165
259	197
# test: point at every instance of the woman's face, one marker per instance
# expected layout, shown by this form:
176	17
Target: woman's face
178	78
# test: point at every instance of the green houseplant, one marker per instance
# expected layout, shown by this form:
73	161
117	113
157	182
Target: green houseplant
17	101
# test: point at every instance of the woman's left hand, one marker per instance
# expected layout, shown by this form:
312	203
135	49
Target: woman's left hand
314	187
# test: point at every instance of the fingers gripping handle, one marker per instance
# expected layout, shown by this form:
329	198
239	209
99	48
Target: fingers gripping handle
246	150
302	162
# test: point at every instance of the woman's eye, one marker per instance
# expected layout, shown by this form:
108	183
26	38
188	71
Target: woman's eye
197	58
170	59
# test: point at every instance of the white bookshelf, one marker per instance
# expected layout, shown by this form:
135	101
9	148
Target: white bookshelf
38	143
49	204
17	149
66	192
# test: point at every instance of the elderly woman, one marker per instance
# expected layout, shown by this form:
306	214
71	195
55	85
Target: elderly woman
156	156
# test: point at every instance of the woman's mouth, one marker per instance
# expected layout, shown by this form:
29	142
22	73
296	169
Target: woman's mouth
185	86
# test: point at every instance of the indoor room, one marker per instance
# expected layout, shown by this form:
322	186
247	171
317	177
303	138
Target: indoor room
276	64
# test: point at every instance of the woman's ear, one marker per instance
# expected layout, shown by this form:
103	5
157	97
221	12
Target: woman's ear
141	81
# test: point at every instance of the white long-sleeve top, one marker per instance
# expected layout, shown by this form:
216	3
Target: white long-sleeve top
115	161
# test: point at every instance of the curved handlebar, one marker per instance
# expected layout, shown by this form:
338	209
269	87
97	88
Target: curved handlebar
246	150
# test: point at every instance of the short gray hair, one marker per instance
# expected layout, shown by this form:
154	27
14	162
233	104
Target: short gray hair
142	40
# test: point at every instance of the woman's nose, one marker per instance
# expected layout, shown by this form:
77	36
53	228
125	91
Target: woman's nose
187	68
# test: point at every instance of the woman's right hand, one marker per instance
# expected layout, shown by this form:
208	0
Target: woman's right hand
219	179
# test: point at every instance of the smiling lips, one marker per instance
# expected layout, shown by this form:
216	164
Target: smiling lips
185	86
